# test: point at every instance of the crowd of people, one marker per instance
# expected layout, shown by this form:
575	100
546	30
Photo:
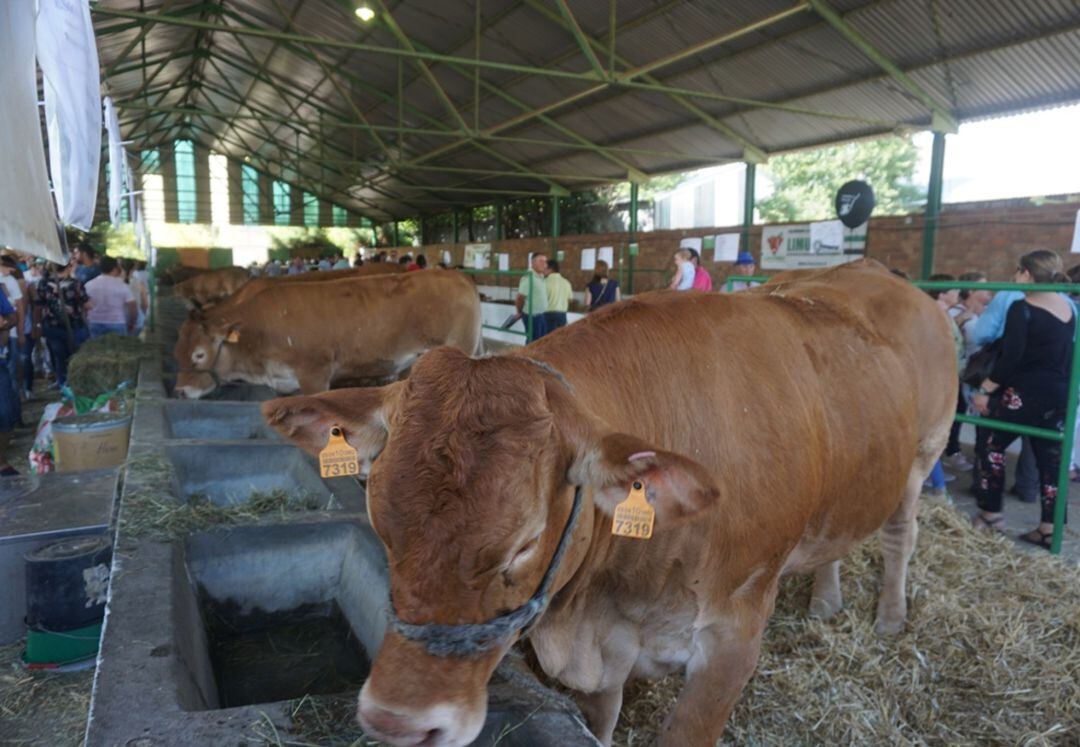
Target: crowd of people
47	310
1014	350
336	261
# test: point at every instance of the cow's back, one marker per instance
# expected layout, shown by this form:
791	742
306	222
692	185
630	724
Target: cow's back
370	269
803	400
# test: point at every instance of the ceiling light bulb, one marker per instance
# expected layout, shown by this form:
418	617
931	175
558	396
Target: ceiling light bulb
364	13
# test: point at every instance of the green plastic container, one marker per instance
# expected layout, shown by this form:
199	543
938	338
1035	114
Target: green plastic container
46	649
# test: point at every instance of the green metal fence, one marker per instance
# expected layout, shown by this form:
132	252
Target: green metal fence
1065	437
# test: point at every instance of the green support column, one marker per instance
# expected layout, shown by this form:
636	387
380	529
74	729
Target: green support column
933	204
555	224
748	204
457	226
397	239
499	220
633	236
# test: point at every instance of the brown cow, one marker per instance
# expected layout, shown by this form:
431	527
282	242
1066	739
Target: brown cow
773	430
368	269
314	336
212	286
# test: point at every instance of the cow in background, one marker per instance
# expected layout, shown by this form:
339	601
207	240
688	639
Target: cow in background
211	286
771	431
316	336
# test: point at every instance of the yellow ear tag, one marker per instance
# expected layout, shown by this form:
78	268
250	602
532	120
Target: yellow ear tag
634	516
338	459
233	336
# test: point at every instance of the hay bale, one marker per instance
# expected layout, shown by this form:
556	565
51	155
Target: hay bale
103	363
991	654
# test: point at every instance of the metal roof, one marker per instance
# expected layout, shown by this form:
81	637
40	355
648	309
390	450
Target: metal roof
438	104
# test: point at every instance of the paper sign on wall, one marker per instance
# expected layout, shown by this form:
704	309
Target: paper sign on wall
827	237
693	242
1076	235
446	258
478	256
588	259
727	247
607	254
504	262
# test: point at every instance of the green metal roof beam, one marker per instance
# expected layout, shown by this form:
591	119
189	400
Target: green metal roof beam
334	43
138	38
390	98
942	118
403	40
751	151
696	49
426	132
579	36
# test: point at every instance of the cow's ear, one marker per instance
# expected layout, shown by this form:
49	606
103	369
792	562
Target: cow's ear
362	415
678	488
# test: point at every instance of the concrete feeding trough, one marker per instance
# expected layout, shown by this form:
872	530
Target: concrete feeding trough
204	635
216	421
228	473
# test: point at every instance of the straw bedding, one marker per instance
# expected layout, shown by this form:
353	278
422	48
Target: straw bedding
991	655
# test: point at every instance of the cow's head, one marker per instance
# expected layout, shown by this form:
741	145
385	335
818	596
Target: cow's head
203	350
473	468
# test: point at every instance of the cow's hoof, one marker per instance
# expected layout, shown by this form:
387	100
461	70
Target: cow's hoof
822	608
890	627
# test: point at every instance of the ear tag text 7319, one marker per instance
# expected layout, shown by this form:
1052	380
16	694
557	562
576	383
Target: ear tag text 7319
338	459
634	516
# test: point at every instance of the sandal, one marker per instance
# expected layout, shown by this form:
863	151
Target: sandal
1037	537
980	522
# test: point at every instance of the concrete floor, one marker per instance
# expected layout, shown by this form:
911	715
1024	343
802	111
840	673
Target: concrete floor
1020	517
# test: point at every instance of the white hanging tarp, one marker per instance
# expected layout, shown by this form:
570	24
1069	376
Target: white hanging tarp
68	59
117	162
27	217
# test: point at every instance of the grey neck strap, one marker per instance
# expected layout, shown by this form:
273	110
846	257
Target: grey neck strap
476	638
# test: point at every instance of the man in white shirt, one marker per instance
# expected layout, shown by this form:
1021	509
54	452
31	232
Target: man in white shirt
112	308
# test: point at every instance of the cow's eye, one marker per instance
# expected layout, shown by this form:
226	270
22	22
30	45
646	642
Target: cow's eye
525	552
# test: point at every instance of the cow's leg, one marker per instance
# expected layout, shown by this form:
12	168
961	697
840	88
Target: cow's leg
897	544
725	656
601	711
826	599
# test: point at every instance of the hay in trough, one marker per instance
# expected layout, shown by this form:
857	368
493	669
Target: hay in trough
151	511
41	707
103	363
991	655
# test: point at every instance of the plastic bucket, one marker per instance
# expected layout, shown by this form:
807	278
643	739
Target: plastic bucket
92	441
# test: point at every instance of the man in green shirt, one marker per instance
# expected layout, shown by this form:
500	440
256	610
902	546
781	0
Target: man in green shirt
531	301
558	297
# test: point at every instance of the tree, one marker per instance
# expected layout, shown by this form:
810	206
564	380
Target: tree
805	183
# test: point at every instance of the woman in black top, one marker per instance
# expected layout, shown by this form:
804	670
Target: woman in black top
1028	386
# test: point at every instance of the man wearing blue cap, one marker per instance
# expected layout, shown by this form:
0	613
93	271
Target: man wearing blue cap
744	266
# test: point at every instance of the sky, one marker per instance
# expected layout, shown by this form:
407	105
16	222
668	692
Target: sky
1022	155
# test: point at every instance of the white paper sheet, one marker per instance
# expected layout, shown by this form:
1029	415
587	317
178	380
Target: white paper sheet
447	259
1076	235
692	242
504	262
67	55
27	220
588	259
727	247
827	237
607	254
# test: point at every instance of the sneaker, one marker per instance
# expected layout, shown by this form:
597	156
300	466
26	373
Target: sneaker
957	462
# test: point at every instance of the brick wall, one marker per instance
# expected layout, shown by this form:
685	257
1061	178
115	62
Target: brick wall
983	236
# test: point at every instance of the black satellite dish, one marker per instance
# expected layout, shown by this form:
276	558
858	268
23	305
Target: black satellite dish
854	203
